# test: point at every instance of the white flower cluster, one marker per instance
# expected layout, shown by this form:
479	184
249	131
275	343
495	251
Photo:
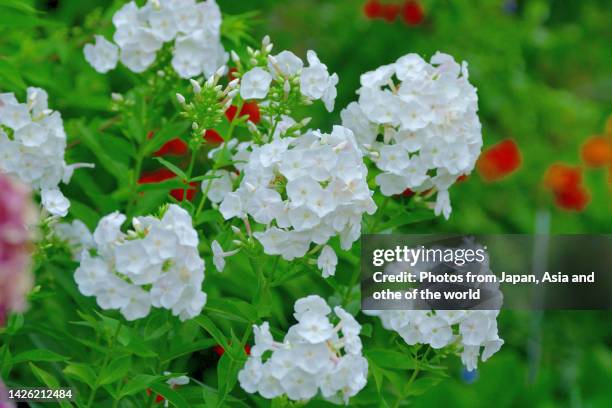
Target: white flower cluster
310	358
421	128
32	145
140	33
315	82
304	189
155	264
471	330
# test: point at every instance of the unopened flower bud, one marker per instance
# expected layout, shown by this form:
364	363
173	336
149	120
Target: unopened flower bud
251	126
233	83
221	71
180	98
117	97
231	94
236	230
235	57
196	86
286	88
265	41
269	47
194	126
304	122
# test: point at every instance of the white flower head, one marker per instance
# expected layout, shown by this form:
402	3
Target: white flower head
427	116
156	264
255	84
312	358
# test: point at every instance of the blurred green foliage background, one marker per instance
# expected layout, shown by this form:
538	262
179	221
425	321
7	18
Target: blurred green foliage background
543	70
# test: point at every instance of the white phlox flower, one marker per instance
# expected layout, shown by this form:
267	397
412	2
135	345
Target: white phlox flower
219	255
32	146
314	356
304	190
419	122
140	32
157	263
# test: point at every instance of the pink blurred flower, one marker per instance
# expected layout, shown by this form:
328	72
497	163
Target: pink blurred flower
17	215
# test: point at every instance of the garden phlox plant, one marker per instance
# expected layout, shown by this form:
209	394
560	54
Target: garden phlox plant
223	160
192	27
313	356
32	145
156	263
418	122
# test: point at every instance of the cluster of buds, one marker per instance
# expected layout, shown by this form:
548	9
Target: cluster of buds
209	104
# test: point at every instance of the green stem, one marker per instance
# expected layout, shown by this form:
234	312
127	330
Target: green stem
194	154
379	211
134	187
107	357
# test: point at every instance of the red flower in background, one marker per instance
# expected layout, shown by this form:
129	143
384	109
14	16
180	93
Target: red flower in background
163	174
249	108
575	199
372	9
390	12
174	147
499	160
597	151
412	13
213	137
566	184
220	350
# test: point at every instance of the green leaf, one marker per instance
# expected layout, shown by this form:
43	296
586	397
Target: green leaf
81	372
172	168
390	359
10	76
97	147
377	374
172	396
37	355
183	349
116	370
165	185
212	329
139	383
44	377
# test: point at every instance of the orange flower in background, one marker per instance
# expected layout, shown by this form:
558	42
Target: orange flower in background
566	184
499	160
596	151
561	177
